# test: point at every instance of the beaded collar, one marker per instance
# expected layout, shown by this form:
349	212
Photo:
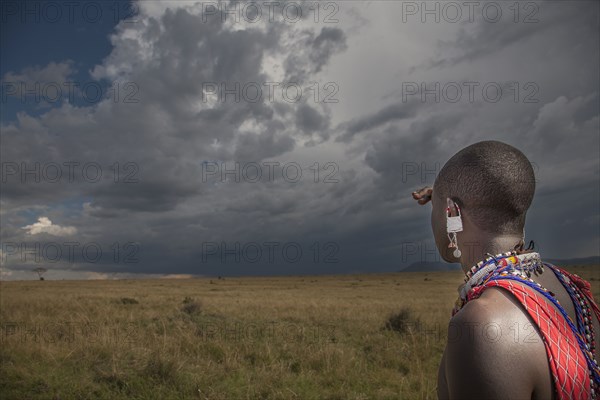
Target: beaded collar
517	264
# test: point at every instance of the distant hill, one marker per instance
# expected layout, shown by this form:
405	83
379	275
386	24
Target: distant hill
430	266
574	261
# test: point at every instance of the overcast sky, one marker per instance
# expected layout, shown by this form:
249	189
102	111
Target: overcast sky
185	138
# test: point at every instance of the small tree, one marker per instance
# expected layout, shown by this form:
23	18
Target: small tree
40	271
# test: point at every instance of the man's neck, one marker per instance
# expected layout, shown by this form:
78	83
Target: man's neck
476	250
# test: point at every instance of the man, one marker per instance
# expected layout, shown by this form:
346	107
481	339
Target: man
517	332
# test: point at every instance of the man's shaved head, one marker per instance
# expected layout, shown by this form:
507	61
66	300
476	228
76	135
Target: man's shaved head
491	181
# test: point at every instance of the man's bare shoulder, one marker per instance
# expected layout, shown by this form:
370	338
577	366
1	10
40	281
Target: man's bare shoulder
492	322
491	300
482	326
482	340
493	303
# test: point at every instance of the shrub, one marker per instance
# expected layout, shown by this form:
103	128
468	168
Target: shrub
161	369
404	321
128	300
191	306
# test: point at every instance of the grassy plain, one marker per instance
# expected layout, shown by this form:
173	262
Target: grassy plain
310	337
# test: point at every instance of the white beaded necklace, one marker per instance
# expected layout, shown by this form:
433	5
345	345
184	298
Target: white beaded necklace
521	264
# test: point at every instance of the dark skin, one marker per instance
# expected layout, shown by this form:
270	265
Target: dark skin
494	348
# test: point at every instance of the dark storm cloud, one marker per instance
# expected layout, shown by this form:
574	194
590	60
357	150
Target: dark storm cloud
309	119
390	113
252	146
491	34
165	134
329	42
392	153
145	196
362	216
311	53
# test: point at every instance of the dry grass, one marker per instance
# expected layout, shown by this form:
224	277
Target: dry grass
336	337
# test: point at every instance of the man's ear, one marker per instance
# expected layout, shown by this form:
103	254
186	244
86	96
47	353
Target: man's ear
451	204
